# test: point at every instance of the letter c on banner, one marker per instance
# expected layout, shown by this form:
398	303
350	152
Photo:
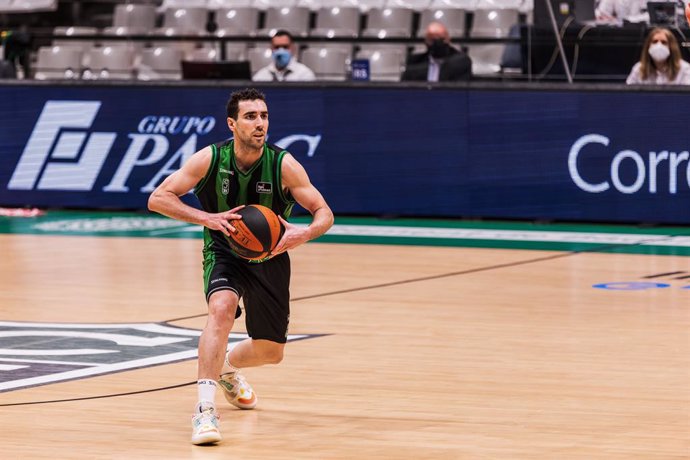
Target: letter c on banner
572	163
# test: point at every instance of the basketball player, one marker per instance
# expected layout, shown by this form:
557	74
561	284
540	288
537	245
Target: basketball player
225	176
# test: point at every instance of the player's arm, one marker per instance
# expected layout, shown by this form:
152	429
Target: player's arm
296	181
165	199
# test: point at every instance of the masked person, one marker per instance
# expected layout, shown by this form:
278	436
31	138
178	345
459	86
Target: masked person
441	62
660	62
284	66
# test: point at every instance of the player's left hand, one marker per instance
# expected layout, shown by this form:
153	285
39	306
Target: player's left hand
293	237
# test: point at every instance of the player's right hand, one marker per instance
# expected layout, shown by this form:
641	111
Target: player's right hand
221	221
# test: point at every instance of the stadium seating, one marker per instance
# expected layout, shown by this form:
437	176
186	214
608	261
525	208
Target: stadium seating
384	65
135	17
58	62
453	18
337	22
187	20
258	58
237	21
327	64
83	44
495	23
160	63
293	19
109	62
388	23
326	19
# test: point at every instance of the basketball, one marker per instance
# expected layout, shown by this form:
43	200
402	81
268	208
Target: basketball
687	12
257	233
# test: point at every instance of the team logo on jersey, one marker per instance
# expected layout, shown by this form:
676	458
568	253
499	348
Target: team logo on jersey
226	186
33	354
264	187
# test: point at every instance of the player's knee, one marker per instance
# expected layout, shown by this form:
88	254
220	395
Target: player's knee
221	314
274	354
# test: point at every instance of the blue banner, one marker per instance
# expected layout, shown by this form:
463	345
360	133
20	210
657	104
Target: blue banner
572	155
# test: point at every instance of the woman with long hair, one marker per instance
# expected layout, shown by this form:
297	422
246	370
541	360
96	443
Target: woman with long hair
660	61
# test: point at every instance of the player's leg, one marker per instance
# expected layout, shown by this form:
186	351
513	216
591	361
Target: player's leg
267	313
222	294
253	352
213	343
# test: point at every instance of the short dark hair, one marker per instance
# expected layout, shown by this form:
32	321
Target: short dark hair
246	94
283	33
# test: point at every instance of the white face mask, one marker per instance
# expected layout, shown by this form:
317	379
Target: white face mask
659	52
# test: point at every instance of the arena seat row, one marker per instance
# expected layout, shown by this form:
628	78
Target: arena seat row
27	6
363	5
164	62
329	22
109	58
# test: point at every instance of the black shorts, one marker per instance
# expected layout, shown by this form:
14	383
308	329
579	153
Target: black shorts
264	288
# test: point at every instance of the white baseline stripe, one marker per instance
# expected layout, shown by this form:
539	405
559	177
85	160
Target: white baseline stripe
509	235
487	234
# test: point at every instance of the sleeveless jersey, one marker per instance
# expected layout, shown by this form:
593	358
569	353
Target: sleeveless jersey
225	186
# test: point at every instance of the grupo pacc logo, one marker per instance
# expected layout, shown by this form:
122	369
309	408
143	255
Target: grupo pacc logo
646	172
63	153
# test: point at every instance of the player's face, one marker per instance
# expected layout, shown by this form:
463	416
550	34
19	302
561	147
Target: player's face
251	125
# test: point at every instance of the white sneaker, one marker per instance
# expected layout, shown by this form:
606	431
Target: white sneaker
205	427
237	391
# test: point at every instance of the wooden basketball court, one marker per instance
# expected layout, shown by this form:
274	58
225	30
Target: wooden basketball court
413	352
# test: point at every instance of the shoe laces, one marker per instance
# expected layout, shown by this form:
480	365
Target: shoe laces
239	384
206	416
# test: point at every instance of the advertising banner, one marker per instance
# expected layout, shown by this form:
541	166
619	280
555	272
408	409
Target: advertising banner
569	155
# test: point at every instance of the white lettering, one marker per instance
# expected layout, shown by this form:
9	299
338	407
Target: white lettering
176	125
146	124
178	159
131	159
655	161
572	163
312	142
675	161
615	168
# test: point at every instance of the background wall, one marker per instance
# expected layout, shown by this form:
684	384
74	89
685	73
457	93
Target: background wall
617	156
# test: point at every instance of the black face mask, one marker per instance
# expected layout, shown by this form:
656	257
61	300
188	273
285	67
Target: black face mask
438	48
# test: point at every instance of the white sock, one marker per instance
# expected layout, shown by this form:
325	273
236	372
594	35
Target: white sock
207	393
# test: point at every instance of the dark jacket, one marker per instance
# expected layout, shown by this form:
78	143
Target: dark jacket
457	66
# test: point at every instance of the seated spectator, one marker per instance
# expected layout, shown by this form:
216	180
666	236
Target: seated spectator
284	66
622	10
441	61
660	62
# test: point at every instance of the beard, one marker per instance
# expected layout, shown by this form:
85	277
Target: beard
249	141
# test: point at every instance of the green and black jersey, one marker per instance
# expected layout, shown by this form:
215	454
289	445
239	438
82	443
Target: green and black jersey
225	186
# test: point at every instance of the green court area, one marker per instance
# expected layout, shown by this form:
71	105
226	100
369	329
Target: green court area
369	230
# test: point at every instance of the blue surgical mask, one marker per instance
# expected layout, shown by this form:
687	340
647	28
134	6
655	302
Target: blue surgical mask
281	57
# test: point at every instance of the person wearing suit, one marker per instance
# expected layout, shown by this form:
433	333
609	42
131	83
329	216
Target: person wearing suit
441	61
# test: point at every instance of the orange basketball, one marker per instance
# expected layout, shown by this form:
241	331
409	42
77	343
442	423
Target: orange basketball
687	12
257	233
